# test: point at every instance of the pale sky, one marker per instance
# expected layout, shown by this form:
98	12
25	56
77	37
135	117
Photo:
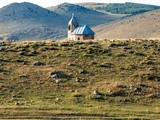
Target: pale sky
48	3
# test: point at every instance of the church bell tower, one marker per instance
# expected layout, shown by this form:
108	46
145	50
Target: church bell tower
72	25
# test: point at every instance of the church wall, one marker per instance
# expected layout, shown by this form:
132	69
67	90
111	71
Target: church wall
78	37
86	37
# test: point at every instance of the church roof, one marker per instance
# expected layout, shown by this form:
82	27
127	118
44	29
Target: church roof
73	20
83	29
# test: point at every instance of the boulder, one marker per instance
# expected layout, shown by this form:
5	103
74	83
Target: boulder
71	64
54	74
23	53
58	74
95	92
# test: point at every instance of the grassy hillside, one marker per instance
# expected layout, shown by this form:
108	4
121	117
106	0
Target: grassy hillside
145	26
121	8
119	79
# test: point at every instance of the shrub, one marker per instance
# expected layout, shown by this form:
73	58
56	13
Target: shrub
98	97
81	71
150	77
106	65
77	95
148	62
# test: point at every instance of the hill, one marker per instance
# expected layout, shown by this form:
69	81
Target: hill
83	14
29	21
143	26
76	79
26	21
121	8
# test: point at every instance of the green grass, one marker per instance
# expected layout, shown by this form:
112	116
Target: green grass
127	8
126	73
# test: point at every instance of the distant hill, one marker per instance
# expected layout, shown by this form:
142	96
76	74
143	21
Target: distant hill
26	21
29	21
121	8
84	15
146	25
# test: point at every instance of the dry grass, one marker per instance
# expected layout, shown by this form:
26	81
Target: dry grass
126	73
144	26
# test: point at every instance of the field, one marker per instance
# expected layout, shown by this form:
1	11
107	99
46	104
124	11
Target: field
80	79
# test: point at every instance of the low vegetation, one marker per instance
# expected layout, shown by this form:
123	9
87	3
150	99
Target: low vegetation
119	79
122	8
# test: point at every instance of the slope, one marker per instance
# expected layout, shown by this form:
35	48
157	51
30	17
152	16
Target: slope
29	21
145	25
121	8
84	15
80	79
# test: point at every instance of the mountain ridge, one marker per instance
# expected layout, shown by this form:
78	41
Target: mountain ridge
27	21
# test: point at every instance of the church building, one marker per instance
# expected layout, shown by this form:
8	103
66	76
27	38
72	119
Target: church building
79	32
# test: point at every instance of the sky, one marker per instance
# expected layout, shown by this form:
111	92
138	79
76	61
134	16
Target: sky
48	3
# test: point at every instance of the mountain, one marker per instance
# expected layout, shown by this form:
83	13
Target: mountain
146	25
26	21
84	15
29	21
121	8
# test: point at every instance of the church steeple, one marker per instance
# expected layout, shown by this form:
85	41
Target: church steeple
73	23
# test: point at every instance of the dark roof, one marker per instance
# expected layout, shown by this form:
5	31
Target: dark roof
73	20
83	29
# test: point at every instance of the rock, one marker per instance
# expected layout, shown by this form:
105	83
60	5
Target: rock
95	92
16	103
131	87
58	81
37	63
137	89
110	93
23	53
72	91
58	74
78	80
23	76
53	72
71	64
54	76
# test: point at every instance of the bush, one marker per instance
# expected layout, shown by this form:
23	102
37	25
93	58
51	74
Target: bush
98	97
78	95
81	71
150	77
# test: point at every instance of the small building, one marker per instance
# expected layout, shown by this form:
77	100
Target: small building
79	32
